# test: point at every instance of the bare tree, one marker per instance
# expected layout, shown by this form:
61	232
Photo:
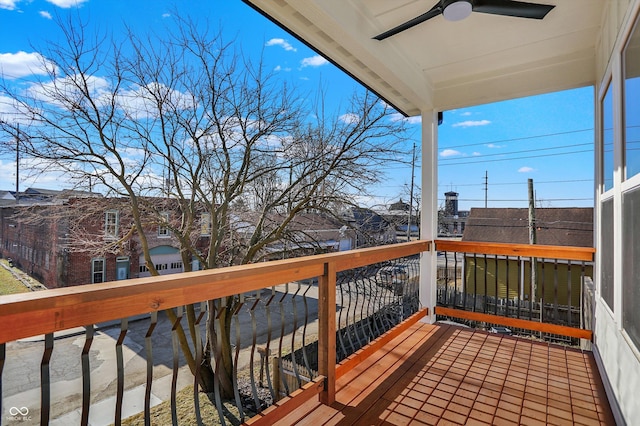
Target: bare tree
184	116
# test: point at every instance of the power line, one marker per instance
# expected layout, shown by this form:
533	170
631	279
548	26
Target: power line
514	158
520	152
520	139
521	183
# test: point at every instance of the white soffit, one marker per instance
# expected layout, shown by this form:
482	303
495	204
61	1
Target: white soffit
443	65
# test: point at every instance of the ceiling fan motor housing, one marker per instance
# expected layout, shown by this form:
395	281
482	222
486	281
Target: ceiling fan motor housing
456	10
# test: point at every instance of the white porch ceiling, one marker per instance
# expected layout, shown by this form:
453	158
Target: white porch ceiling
443	65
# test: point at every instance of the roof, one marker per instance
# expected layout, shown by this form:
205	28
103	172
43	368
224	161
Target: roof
554	226
441	65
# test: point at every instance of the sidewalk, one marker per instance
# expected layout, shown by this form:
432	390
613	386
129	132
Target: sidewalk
102	413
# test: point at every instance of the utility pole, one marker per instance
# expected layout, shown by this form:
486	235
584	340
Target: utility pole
413	166
18	164
486	187
532	240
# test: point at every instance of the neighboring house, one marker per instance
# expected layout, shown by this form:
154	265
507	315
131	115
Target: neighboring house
553	226
308	234
399	215
371	229
72	241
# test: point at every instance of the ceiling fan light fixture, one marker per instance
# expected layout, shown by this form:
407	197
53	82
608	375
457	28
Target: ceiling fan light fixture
457	10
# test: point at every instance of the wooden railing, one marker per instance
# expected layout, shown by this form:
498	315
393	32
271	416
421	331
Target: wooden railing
522	286
44	313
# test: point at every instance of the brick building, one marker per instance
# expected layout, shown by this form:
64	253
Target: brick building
74	241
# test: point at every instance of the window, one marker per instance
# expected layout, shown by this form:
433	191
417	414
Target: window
632	104
606	253
607	140
163	230
631	265
111	222
176	265
205	224
97	271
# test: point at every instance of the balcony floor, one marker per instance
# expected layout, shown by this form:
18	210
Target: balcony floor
441	374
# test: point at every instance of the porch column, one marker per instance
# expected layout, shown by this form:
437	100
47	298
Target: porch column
429	217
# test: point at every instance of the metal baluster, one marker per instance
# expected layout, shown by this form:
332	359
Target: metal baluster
507	304
86	375
304	333
124	327
368	285
569	299
555	291
542	294
446	282
495	307
45	380
281	339
340	345
198	347
360	332
532	296
3	355
272	386
293	335
486	287
174	377
153	321
373	307
236	391
254	334
464	284
521	286
215	309
475	281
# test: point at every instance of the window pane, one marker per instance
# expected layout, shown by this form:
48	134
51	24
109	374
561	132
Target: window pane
607	140
606	250
631	268
632	104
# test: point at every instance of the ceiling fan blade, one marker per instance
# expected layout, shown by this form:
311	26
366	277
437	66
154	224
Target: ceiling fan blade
432	13
518	9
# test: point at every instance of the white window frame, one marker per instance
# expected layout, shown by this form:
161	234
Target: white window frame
93	270
111	227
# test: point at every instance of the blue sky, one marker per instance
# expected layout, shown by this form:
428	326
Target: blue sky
511	141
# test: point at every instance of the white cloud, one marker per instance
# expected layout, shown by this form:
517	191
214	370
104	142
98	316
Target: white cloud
21	64
350	118
166	15
45	14
525	169
471	123
313	61
66	4
493	145
465	114
8	4
476	154
282	43
449	153
10	111
416	119
279	68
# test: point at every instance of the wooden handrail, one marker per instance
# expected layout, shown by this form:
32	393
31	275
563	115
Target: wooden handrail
561	330
30	314
527	250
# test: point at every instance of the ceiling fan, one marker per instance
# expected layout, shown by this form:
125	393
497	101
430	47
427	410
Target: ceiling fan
456	10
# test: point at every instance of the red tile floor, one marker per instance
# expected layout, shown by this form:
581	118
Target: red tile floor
447	375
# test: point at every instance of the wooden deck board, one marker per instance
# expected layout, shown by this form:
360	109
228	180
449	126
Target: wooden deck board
435	374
